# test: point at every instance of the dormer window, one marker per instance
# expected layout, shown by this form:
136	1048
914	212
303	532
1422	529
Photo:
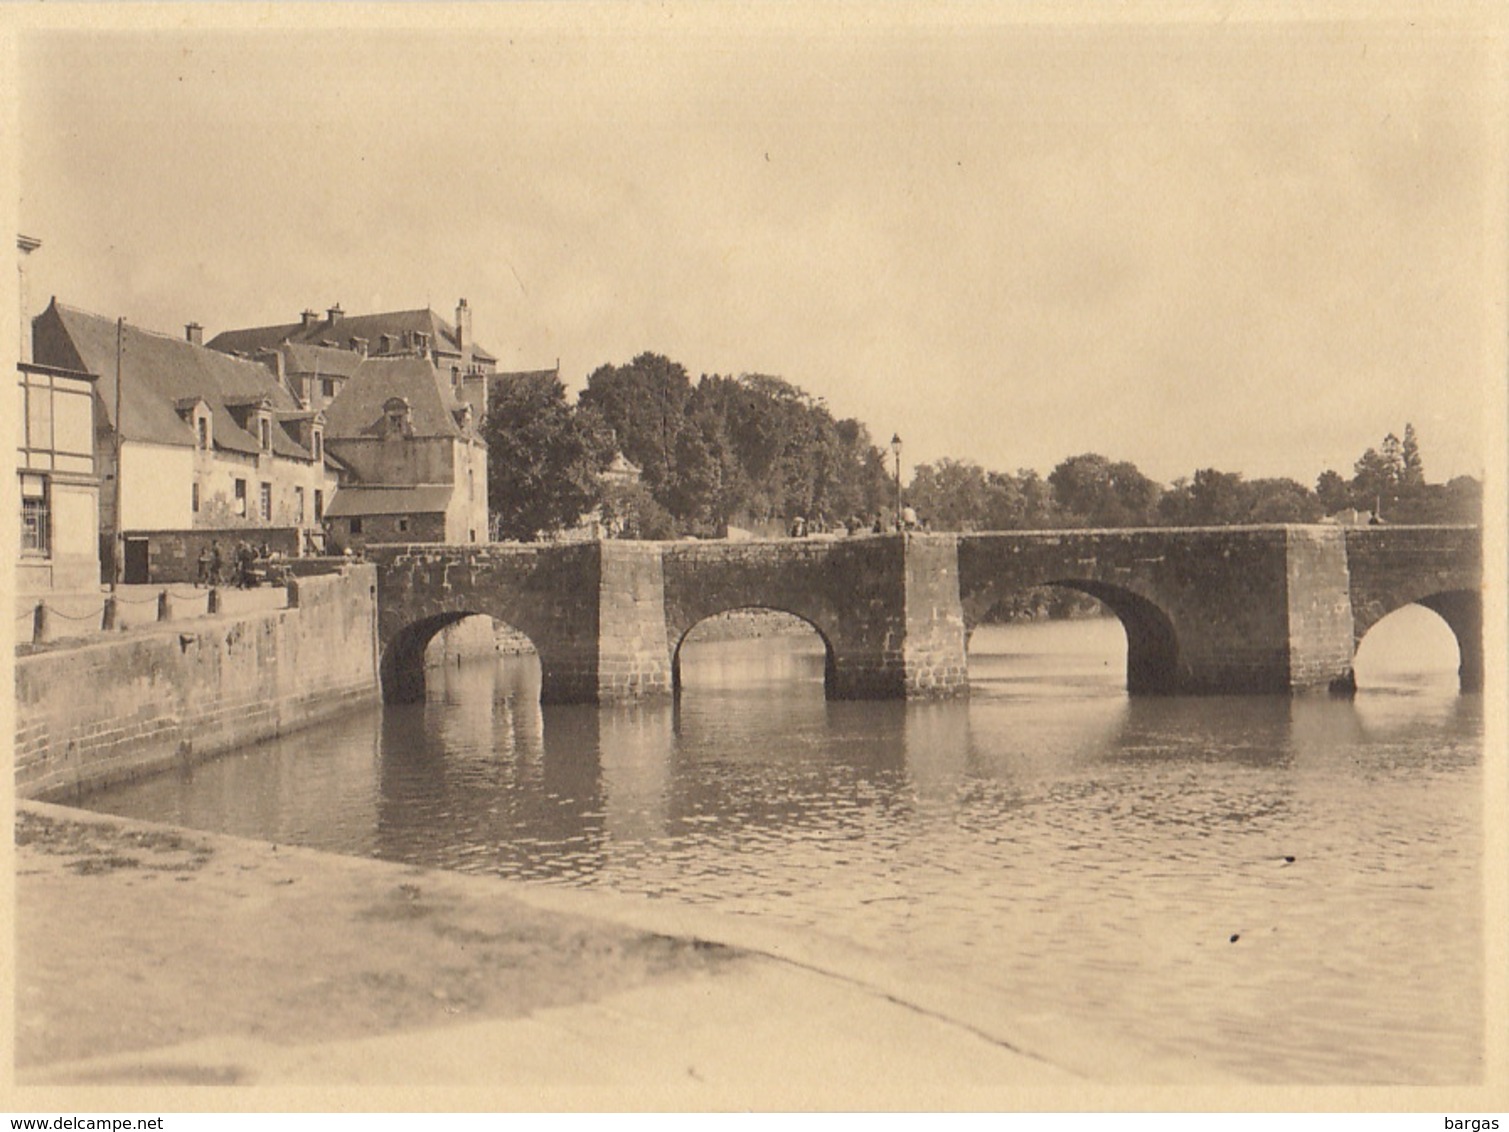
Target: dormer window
317	445
264	425
196	414
396	417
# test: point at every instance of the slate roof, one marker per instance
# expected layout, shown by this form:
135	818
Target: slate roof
161	373
358	408
327	361
338	335
352	501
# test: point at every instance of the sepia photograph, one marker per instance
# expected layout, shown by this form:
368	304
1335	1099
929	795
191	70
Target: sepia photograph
706	558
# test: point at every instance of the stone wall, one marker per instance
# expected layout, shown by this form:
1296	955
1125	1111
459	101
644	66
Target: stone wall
153	698
549	593
1220	610
852	591
1390	567
423	526
173	556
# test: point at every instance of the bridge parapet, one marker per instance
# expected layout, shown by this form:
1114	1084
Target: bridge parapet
1206	610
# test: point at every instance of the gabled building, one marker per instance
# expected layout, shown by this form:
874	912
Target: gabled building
416	466
206	440
404	394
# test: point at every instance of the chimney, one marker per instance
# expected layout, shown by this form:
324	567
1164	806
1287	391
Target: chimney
25	245
309	318
462	325
335	314
464	334
194	333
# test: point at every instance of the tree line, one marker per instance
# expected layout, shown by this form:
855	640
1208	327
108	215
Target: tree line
755	449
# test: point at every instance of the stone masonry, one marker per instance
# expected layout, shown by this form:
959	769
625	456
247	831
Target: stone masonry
1224	610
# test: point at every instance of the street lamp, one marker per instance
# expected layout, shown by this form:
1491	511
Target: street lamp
896	452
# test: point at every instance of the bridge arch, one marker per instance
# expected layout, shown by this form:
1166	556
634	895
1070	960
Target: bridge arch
1152	664
1461	609
829	664
401	665
1440	568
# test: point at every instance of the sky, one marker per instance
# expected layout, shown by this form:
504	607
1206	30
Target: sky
1008	234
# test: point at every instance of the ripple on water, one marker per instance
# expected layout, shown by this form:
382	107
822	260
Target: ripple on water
1254	882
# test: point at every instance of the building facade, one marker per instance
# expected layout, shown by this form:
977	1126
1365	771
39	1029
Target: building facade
403	396
415	464
202	440
59	490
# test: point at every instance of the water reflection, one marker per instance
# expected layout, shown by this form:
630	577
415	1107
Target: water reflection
1254	882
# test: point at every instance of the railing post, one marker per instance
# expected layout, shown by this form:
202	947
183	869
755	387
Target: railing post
212	605
109	614
39	623
164	606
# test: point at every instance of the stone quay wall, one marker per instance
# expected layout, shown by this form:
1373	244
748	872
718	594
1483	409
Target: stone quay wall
106	711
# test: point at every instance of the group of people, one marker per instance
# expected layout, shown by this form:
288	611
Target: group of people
905	521
239	568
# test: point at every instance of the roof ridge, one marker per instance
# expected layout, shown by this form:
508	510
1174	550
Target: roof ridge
165	335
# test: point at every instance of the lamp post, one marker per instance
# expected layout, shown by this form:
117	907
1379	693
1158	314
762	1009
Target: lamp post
896	452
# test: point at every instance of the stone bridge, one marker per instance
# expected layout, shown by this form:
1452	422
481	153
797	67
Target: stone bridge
1206	610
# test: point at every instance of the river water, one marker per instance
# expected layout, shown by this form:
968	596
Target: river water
1287	890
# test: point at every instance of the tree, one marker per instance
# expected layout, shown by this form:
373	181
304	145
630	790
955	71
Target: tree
952	495
542	465
1413	472
1217	498
1099	493
644	403
1373	480
631	511
1333	492
1281	501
